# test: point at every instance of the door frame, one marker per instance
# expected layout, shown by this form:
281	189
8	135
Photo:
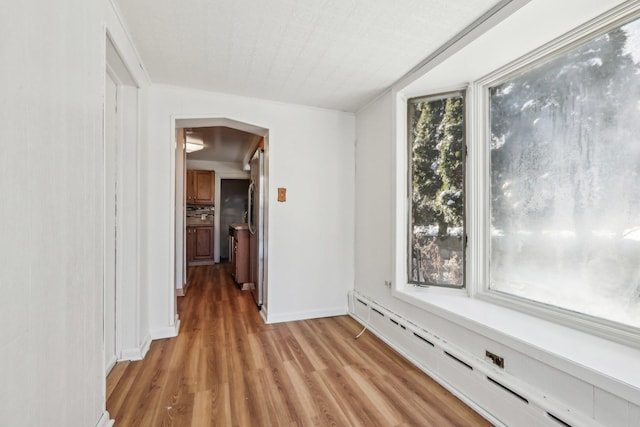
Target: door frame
128	345
178	155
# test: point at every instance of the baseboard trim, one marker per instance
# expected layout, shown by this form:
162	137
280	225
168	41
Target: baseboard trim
110	364
180	292
104	420
132	354
144	348
305	315
168	332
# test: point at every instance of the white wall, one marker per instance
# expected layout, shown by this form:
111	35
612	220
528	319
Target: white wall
589	394
52	215
51	187
311	152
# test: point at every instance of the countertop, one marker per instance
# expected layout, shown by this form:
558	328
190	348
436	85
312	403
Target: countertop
195	221
239	226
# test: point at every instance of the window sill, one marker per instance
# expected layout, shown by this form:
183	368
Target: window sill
608	365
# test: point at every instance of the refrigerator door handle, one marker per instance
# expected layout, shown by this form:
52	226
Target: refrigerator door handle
250	211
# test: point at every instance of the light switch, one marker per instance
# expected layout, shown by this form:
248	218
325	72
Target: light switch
282	194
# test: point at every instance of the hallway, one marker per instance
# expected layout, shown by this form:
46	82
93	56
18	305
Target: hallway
227	368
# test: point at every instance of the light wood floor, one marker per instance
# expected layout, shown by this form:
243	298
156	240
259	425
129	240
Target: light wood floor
227	368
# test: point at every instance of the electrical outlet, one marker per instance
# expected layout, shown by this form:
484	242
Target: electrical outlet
497	360
387	283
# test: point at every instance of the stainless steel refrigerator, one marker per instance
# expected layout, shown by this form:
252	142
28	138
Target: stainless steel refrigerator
256	227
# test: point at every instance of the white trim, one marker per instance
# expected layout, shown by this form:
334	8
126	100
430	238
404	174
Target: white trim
132	354
172	300
167	332
110	364
129	41
105	421
305	315
490	19
487	21
146	343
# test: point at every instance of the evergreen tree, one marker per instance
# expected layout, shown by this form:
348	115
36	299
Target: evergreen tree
437	136
450	197
549	126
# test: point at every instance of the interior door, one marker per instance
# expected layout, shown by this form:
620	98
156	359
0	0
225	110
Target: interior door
110	231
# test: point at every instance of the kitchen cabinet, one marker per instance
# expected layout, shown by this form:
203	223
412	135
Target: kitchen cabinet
200	187
240	256
199	245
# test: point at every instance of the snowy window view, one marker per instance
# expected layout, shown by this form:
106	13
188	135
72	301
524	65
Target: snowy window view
436	234
565	183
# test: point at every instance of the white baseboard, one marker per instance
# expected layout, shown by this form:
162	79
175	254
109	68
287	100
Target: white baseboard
136	353
304	315
144	348
104	420
180	292
110	364
167	332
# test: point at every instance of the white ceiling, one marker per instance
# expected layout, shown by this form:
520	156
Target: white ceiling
337	54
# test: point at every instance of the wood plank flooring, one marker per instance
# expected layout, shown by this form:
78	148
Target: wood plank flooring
227	368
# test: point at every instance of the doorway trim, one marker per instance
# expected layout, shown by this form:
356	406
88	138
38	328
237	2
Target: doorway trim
185	121
128	342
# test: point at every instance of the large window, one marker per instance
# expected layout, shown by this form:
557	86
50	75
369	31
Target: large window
564	179
437	155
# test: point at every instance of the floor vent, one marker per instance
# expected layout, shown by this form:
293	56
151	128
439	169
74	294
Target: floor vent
558	420
458	360
378	311
421	338
505	388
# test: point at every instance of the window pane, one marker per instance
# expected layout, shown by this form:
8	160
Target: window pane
436	136
565	183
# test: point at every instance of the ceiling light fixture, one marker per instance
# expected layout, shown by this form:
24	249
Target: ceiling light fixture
194	142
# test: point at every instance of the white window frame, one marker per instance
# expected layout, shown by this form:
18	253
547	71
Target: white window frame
462	92
477	187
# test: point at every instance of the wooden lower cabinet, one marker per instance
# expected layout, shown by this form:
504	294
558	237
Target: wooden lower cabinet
199	245
240	269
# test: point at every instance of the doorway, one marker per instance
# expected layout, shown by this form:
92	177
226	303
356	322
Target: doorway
233	208
225	170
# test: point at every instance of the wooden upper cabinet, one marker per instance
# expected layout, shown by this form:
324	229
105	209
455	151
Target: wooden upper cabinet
200	187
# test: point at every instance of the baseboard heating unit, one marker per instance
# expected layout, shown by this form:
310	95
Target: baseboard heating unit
500	397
